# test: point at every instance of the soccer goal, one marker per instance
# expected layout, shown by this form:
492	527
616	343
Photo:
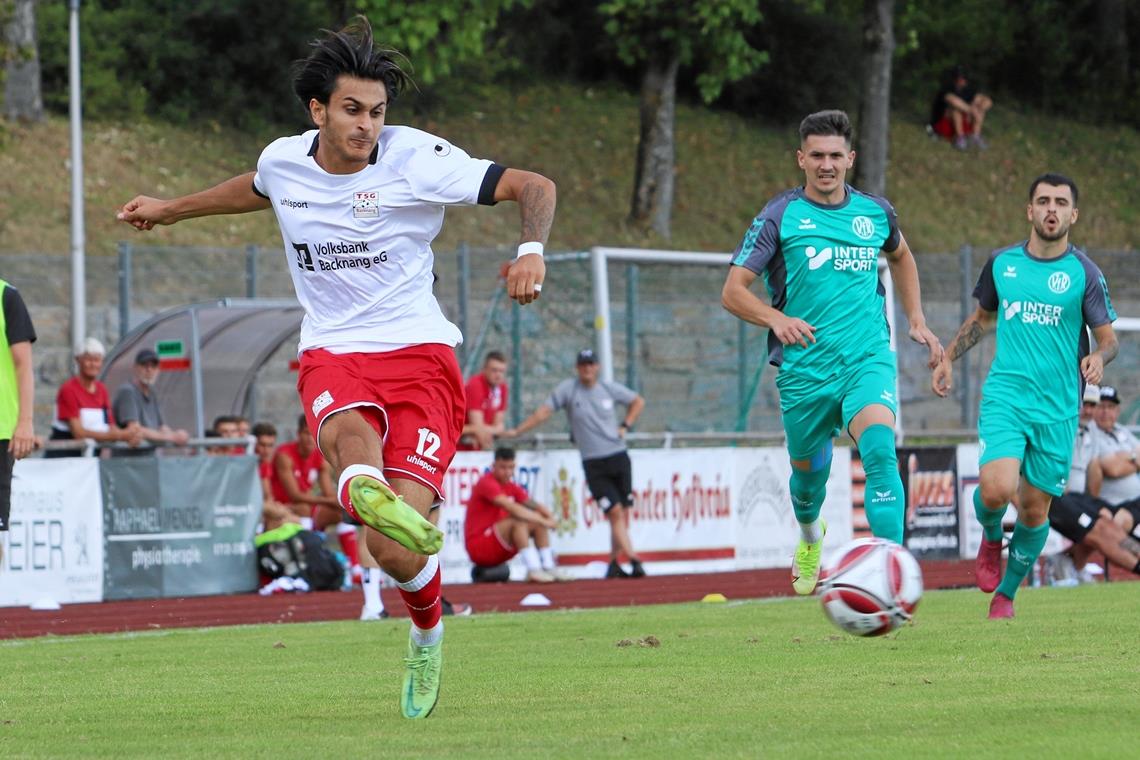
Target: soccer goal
694	317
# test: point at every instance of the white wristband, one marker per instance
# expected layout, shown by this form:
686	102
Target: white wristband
532	247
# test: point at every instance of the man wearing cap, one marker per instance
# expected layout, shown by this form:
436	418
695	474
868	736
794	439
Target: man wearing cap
1118	453
136	406
589	404
83	405
1083	518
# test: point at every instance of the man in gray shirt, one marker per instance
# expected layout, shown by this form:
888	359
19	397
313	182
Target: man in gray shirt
136	406
589	405
1119	455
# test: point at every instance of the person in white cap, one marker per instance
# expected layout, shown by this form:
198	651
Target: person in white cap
1118	453
83	405
1089	401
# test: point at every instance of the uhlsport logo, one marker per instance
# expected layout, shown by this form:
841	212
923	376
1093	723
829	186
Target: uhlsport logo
1059	282
863	227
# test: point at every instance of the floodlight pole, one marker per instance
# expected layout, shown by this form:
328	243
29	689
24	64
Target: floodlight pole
78	273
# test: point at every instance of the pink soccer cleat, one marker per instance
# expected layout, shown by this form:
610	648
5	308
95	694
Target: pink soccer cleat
987	567
1001	607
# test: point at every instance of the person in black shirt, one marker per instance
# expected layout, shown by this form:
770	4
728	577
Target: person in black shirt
959	110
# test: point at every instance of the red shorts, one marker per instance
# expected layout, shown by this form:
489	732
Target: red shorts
487	550
413	398
945	126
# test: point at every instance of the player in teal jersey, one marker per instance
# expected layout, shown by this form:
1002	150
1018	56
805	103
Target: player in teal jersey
817	248
1040	294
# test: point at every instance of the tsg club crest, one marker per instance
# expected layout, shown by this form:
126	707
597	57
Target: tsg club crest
1059	282
366	205
863	227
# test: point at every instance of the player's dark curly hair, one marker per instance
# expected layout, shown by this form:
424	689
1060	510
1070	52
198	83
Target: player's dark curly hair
350	51
826	124
1056	180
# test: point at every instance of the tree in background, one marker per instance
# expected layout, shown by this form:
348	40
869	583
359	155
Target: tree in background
661	36
22	98
875	103
441	38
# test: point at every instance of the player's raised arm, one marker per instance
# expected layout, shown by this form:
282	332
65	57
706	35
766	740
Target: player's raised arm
904	272
234	196
536	196
971	331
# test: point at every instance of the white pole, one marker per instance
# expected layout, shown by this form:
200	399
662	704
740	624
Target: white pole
602	313
78	275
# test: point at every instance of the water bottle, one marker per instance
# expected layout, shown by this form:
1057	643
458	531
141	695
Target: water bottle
346	584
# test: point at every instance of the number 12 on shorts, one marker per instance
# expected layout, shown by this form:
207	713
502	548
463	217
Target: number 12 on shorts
428	444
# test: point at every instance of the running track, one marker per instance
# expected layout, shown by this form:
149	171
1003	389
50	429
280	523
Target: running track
204	611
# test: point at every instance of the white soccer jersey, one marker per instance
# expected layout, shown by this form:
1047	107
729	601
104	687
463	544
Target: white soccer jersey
359	245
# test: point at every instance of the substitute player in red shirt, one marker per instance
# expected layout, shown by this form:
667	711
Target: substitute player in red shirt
358	204
502	519
486	404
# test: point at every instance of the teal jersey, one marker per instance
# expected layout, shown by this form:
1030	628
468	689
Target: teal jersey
1042	308
820	264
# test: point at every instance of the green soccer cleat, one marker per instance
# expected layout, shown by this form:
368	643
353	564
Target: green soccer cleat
805	563
377	506
421	682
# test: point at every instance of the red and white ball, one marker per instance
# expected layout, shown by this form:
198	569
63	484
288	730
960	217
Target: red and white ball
872	588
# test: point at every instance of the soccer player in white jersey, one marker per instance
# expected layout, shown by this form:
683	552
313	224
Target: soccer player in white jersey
358	204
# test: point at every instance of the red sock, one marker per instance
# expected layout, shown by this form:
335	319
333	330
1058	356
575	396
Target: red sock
421	595
347	540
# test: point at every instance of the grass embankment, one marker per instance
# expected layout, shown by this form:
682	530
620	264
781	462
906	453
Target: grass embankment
584	138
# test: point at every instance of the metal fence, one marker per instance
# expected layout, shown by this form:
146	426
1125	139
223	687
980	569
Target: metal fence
699	368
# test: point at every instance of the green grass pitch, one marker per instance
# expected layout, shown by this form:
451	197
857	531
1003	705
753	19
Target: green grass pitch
748	679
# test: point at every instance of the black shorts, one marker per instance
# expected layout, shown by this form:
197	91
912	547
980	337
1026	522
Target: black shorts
610	480
1132	508
6	463
1074	514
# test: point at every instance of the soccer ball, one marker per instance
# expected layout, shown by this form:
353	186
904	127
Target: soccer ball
872	588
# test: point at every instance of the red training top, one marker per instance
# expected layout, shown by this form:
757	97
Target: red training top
482	511
305	471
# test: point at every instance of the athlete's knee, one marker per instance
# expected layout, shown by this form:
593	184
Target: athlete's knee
995	493
877	450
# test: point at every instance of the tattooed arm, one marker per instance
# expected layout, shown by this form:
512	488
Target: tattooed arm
536	196
971	331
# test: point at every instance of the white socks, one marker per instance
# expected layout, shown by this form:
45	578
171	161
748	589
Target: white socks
547	556
811	532
372	582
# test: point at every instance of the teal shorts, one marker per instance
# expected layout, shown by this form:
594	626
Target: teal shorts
1045	449
816	411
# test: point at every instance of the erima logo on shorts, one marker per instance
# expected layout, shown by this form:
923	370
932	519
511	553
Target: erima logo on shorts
604	502
321	402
